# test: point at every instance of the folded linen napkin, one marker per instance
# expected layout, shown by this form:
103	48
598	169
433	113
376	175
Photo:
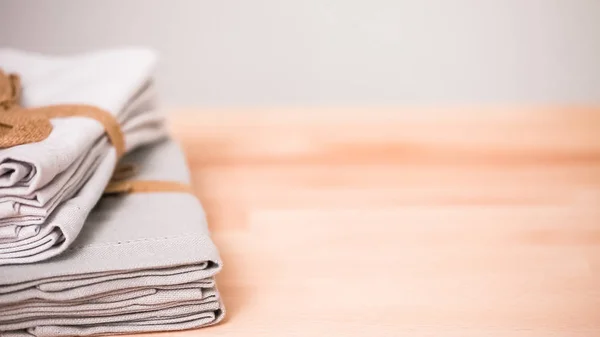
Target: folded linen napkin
143	262
40	215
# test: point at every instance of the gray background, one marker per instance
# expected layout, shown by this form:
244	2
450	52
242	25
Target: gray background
343	52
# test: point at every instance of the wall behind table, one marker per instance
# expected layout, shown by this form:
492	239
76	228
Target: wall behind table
337	52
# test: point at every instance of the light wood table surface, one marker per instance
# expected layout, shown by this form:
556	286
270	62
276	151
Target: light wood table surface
401	222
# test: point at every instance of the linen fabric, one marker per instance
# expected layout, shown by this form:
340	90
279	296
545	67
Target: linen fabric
44	200
143	262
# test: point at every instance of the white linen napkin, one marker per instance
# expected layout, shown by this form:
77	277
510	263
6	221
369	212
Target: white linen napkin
43	178
143	262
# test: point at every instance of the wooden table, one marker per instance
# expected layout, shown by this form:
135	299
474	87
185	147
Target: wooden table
390	222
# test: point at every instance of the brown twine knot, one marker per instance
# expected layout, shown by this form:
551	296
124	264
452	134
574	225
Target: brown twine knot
17	126
23	126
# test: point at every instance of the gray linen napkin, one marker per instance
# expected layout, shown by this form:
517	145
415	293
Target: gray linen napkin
39	179
143	262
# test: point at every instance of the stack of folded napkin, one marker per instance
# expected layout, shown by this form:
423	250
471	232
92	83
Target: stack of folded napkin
90	243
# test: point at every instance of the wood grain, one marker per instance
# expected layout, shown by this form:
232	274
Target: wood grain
384	222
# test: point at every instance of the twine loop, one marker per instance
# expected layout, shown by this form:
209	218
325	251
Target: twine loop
10	90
